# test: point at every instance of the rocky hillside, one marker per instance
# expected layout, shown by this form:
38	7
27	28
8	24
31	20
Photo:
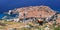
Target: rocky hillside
32	17
38	12
35	11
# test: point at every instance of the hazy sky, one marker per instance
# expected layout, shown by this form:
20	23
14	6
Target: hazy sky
6	5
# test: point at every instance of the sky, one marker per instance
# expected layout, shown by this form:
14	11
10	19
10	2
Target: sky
6	5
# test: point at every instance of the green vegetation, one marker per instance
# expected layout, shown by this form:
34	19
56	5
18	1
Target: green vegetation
57	28
2	27
9	23
38	27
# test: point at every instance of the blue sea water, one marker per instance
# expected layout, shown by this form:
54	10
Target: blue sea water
1	15
8	16
6	5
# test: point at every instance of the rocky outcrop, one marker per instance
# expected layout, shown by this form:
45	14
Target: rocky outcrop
32	17
35	13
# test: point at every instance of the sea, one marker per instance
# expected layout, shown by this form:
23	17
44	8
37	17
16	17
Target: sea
8	16
6	5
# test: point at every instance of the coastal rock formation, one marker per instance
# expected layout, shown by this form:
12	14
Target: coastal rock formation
31	17
35	11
